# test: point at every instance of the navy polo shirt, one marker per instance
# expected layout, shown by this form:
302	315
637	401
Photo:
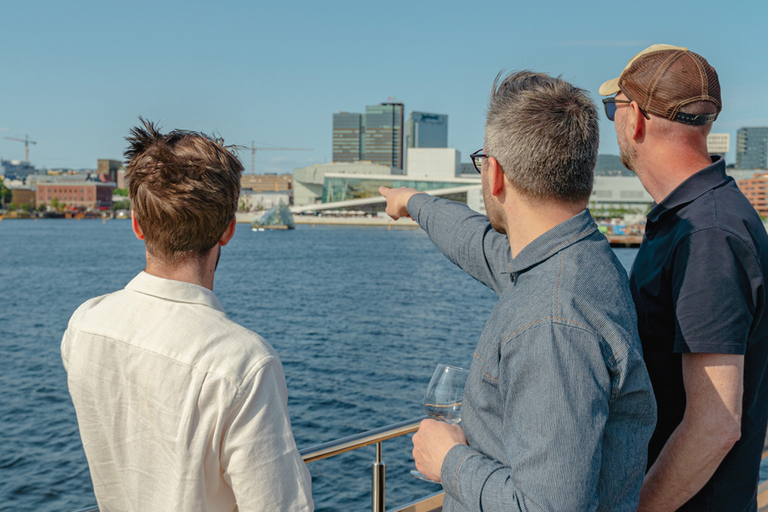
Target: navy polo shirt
698	283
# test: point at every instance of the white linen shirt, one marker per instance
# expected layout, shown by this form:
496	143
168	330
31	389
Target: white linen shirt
180	408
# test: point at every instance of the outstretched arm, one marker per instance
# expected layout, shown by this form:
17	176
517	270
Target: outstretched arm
464	236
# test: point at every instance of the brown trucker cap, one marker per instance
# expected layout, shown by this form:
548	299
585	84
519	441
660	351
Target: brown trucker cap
663	79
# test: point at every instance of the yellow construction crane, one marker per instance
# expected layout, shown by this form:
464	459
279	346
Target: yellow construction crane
254	149
26	142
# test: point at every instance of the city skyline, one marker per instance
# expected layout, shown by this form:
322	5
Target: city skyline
78	75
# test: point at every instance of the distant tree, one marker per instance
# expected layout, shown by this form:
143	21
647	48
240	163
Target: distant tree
5	194
120	192
56	205
125	204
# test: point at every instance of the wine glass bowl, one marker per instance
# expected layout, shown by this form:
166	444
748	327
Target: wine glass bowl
443	397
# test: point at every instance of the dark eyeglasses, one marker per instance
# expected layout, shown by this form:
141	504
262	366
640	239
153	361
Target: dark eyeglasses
610	107
477	159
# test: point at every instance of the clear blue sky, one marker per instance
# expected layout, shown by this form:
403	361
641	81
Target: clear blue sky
77	74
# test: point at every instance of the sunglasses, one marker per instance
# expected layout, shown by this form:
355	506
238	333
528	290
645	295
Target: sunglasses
611	107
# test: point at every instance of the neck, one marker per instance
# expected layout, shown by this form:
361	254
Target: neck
526	222
669	157
194	270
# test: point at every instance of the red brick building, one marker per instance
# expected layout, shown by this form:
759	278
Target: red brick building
87	194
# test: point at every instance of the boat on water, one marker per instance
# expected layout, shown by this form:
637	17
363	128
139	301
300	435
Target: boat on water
278	217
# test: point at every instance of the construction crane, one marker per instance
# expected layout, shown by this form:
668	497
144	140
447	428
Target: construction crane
26	142
254	149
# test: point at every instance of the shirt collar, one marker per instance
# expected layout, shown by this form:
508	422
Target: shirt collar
695	186
176	291
553	241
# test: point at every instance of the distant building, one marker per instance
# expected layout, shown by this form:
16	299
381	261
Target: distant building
257	201
434	163
426	130
756	190
752	148
308	182
718	143
108	169
86	194
376	136
16	169
383	138
624	192
347	140
23	196
266	182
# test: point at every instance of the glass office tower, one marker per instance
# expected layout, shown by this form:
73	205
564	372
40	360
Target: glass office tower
426	130
752	148
383	134
347	131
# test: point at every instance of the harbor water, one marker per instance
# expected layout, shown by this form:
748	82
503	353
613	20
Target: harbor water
360	317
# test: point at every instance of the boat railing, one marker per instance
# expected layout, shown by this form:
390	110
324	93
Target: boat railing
432	503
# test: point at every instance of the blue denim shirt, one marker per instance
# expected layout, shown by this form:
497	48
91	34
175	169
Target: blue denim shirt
558	408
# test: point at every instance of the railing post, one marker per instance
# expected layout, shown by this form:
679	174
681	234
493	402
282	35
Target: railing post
377	485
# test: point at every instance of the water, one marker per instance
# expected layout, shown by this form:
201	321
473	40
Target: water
359	316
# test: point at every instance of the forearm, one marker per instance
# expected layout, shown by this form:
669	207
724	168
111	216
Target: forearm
685	464
710	427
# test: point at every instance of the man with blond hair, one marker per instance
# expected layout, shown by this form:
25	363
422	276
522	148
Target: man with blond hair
698	283
180	408
558	408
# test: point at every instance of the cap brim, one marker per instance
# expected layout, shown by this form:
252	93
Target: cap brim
610	87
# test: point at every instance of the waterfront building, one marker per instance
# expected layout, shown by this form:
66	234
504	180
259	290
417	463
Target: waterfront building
718	144
752	148
619	192
347	140
426	130
16	169
266	182
251	201
308	181
756	190
107	169
376	136
85	194
23	196
434	163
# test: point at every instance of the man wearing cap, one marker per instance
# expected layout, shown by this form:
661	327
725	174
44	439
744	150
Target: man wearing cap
698	283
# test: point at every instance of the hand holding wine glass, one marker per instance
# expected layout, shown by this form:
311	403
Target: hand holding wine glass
444	396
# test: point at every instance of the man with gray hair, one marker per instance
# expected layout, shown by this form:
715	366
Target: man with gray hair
698	283
558	407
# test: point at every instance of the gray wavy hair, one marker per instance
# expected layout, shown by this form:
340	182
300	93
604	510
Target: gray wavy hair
544	133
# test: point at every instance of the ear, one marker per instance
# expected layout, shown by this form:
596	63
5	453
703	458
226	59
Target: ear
495	177
136	228
228	233
637	122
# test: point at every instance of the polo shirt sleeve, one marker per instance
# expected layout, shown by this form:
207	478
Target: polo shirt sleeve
465	237
258	454
715	283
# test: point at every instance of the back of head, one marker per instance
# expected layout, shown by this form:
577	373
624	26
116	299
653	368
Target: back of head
184	189
671	82
544	133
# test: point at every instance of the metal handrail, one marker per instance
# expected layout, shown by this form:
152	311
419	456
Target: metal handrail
346	444
375	436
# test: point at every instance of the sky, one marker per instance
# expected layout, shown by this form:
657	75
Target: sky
77	75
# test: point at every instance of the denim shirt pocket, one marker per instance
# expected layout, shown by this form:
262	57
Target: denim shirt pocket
487	356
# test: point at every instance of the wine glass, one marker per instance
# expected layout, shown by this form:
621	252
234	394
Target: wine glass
443	397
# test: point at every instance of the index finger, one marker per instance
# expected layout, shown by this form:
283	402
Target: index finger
384	190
